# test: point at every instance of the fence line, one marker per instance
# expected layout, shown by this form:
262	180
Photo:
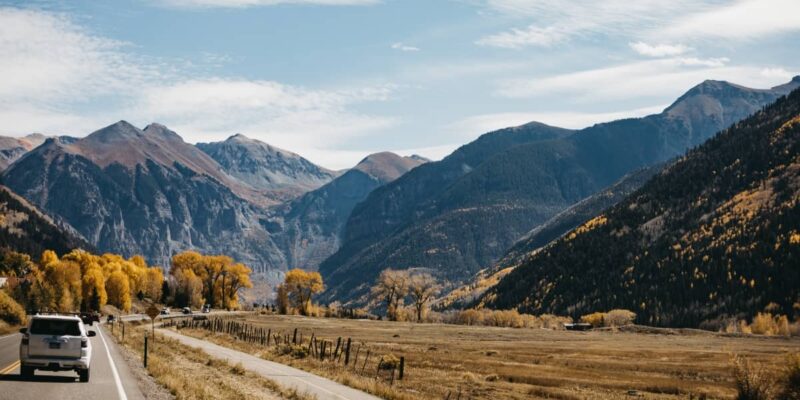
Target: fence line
316	347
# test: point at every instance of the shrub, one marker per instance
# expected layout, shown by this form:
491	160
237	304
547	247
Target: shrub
10	311
620	317
238	369
389	361
752	383
790	384
294	350
596	319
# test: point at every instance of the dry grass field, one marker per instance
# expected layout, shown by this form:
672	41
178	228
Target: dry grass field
191	374
506	363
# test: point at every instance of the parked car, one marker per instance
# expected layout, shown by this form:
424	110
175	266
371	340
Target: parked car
165	311
55	343
206	309
186	310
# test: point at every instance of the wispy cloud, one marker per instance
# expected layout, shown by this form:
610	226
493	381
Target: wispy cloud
404	47
62	79
660	78
530	36
287	116
742	19
655	19
658	50
256	3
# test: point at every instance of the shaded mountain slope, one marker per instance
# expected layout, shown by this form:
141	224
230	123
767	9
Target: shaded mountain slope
714	234
145	192
25	229
461	214
313	223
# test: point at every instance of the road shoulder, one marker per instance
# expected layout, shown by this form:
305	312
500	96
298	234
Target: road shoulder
135	380
286	376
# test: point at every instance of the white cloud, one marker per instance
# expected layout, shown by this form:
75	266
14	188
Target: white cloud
256	3
404	47
61	79
658	50
657	20
48	58
283	115
581	17
742	19
665	78
530	36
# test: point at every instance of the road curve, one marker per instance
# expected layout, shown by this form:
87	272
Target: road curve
304	382
110	379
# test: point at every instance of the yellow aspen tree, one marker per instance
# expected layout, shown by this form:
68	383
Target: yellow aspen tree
118	289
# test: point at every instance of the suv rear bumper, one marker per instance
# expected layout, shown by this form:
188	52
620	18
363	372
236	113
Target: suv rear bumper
56	364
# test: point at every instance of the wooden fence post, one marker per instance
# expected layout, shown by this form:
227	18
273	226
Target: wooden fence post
365	362
402	367
294	336
347	353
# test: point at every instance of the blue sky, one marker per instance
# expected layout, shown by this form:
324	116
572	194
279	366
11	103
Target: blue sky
335	80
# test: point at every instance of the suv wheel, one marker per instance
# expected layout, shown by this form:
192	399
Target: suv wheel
26	372
84	375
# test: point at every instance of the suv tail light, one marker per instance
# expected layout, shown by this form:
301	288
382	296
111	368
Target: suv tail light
84	343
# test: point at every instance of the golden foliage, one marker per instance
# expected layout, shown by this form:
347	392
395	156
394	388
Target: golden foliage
220	279
10	311
300	286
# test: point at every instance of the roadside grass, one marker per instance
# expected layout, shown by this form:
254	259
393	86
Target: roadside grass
366	382
191	374
476	362
6	328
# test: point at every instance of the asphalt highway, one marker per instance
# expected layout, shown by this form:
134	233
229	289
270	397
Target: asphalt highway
110	378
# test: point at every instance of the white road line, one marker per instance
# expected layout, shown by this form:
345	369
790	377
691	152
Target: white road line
9	335
120	389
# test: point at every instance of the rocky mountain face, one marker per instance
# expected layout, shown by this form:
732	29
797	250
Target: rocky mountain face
313	223
279	175
461	214
146	192
12	148
560	224
713	235
25	229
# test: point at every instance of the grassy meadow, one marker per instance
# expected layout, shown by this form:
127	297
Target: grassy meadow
472	362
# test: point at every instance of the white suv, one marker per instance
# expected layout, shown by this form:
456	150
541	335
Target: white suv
55	343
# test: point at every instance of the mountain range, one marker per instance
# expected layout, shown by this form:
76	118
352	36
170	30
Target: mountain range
146	191
459	215
713	235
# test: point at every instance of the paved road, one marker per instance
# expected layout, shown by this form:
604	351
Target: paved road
284	375
110	377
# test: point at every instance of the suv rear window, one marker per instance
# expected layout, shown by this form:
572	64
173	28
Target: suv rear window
55	327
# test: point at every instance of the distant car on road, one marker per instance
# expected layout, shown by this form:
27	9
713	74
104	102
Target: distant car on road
89	318
55	343
206	309
111	318
165	311
186	310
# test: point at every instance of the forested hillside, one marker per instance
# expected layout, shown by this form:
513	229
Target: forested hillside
25	229
715	234
460	215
